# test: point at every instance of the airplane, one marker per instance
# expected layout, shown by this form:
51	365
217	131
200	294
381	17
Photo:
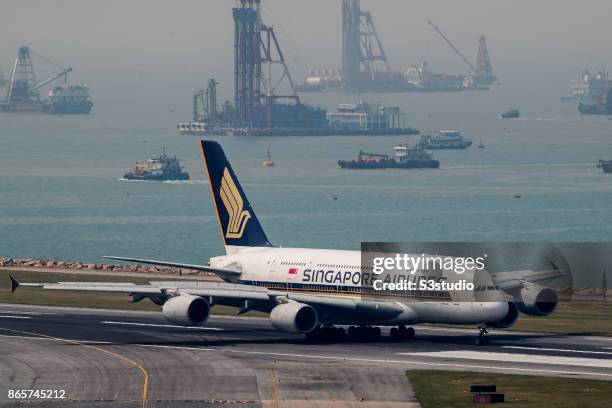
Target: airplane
315	291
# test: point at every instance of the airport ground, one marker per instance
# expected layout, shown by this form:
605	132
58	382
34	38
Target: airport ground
105	357
585	318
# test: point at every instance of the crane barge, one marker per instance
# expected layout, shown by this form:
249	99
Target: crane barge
23	90
482	72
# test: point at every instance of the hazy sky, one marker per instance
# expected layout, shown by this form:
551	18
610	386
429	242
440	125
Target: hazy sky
148	47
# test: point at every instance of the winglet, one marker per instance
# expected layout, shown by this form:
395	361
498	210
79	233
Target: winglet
14	284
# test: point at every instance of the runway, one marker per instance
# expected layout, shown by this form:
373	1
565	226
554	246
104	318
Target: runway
119	358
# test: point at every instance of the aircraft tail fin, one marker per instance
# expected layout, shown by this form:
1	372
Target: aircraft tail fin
237	220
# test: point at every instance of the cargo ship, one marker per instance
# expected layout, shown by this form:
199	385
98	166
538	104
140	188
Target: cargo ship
162	168
445	139
601	106
70	100
404	157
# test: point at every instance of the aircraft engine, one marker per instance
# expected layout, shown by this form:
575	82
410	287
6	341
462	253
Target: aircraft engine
536	300
186	310
508	320
294	317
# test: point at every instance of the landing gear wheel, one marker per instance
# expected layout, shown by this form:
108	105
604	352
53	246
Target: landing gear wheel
364	333
410	333
394	333
482	339
326	333
402	332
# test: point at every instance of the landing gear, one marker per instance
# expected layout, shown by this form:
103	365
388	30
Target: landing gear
402	333
482	339
364	333
326	333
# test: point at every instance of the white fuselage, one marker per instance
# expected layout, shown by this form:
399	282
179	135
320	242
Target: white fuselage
327	272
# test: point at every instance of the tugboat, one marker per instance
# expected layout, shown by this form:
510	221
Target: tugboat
605	165
404	157
163	168
445	139
268	161
511	114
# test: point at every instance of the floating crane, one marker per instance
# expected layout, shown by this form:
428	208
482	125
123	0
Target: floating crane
64	73
23	86
22	91
362	48
483	73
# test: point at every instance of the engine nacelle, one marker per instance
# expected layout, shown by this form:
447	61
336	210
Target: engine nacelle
294	317
186	310
508	320
536	300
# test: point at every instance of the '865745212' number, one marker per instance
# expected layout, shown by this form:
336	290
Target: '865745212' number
36	394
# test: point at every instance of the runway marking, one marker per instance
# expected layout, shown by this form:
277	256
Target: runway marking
52	339
162	325
559	350
15	317
28	313
145	389
516	358
386	361
273	386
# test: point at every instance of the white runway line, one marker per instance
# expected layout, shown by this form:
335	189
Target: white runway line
15	317
516	358
52	339
18	312
466	367
559	350
162	325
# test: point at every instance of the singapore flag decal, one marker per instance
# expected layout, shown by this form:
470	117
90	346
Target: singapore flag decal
293	271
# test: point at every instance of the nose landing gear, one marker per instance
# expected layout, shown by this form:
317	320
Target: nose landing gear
482	339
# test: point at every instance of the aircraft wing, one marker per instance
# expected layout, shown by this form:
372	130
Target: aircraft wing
223	273
218	292
515	279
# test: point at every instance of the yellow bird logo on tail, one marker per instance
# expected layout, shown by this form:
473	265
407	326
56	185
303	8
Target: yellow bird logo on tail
234	204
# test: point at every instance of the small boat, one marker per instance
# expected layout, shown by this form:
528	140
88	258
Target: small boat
404	158
162	168
268	161
445	139
193	128
511	114
480	145
605	165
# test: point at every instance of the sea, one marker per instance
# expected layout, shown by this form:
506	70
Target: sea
62	195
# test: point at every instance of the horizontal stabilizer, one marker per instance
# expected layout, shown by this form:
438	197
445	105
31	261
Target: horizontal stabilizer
224	273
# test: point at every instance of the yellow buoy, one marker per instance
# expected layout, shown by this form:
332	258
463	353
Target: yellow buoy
268	162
